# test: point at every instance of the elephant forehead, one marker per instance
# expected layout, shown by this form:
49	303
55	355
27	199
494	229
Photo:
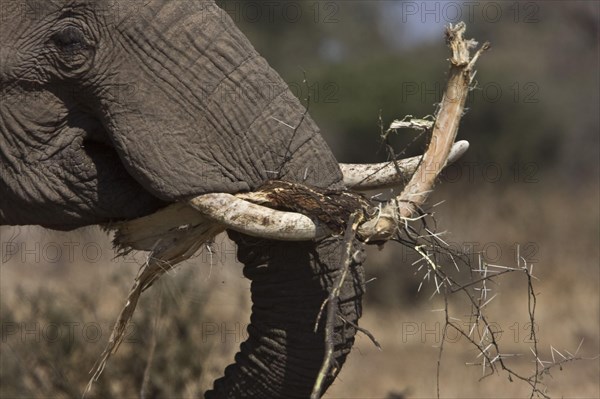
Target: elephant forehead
25	24
16	17
19	15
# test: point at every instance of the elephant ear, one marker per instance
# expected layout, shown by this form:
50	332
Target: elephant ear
206	113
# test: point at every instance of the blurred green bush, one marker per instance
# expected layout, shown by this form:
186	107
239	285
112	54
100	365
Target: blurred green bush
537	95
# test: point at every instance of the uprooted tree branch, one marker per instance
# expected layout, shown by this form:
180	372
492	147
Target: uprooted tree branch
387	222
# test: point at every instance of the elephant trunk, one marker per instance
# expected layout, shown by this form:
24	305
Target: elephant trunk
282	355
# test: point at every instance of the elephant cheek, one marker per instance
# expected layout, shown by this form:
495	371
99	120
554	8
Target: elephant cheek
282	355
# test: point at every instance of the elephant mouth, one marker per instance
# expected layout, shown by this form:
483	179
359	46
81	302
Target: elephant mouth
95	141
115	194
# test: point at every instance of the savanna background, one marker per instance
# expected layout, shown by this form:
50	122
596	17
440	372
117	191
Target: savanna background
529	182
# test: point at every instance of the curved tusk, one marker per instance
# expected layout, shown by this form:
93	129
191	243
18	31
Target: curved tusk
361	177
256	220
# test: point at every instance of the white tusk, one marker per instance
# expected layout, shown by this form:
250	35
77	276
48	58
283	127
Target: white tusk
256	220
362	177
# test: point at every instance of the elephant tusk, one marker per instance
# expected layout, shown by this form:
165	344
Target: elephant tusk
257	220
362	177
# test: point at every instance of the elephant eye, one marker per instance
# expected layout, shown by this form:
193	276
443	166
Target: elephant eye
69	39
74	50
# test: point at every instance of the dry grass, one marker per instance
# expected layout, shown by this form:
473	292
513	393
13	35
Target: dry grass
57	317
204	310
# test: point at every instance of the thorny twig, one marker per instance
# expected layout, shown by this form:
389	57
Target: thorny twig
364	331
429	246
408	122
424	126
332	305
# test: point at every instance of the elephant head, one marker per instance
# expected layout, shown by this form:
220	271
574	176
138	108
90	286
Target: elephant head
112	110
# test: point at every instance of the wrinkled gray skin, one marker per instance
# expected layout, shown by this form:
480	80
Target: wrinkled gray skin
110	110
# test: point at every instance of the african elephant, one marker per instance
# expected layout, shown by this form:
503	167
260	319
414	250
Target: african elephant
117	110
111	110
